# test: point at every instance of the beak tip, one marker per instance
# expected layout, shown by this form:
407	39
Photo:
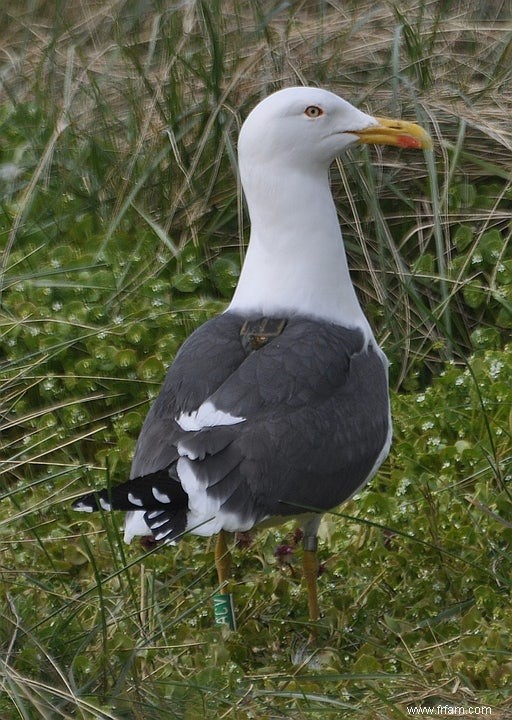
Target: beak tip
401	133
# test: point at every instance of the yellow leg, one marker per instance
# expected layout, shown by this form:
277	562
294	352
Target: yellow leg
222	561
310	567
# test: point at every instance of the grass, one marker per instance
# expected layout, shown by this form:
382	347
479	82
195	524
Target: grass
122	229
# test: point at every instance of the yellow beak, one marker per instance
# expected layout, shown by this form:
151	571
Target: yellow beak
395	132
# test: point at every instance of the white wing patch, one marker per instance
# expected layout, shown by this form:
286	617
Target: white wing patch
206	415
205	516
181	447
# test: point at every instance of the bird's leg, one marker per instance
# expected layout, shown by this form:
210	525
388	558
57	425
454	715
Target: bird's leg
223	602
310	567
222	560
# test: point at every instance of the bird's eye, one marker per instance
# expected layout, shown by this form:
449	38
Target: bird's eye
313	111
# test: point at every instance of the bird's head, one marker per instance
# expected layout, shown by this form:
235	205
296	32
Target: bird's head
309	127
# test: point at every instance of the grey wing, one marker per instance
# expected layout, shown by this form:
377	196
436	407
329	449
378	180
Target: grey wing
316	426
206	359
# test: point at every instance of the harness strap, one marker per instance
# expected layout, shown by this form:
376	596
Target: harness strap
254	334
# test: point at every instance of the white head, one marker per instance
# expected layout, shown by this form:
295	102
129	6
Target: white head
301	127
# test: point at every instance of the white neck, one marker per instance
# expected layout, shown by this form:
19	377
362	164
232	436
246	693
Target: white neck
295	262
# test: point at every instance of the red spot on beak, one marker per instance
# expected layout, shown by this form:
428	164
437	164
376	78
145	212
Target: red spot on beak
406	141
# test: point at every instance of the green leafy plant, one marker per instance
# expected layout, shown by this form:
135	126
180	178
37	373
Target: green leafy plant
122	229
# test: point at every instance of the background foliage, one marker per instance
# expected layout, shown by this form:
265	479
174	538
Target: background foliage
122	228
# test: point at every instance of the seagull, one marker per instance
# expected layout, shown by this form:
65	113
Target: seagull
278	408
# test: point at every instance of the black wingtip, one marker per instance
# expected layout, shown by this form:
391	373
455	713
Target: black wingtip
167	526
155	491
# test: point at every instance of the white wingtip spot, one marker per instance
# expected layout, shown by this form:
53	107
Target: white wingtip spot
161	497
83	507
105	505
160	535
134	500
155	525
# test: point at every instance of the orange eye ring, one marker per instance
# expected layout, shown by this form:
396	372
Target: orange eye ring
313	111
